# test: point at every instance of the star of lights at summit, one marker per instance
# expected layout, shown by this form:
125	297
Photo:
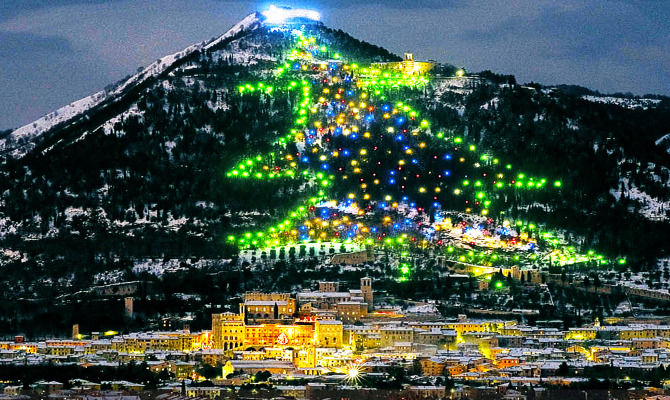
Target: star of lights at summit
375	170
280	15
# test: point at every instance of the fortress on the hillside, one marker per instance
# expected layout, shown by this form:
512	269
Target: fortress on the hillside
407	66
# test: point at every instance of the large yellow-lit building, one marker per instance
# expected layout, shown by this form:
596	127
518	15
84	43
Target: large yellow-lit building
259	306
230	332
407	66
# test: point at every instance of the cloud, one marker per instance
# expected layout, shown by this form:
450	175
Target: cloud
381	4
12	8
607	45
15	44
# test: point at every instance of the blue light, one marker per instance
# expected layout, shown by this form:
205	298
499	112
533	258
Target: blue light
325	166
436	204
447	156
405	198
415	161
354	136
392	173
373	229
399	138
382	205
346	153
396	226
386	107
305	159
447	172
412	204
400	120
392	181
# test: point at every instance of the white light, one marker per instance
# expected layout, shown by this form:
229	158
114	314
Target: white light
279	15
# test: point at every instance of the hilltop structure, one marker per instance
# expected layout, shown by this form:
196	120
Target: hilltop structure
408	66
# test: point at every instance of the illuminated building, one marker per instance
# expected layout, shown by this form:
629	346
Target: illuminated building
141	342
433	366
366	288
351	311
258	306
252	367
329	299
227	331
329	286
354	258
279	335
407	66
390	335
230	332
328	333
581	334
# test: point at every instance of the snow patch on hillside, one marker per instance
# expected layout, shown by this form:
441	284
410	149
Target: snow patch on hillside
623	102
650	207
158	267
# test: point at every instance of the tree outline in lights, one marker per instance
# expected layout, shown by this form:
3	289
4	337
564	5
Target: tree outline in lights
282	339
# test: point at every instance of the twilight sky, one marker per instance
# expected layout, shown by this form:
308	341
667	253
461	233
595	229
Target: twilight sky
53	52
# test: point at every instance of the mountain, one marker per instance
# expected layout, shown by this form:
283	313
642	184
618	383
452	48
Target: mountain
279	132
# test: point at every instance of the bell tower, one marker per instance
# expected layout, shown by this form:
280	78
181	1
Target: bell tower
366	288
408	64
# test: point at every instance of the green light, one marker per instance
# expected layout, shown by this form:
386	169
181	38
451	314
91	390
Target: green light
558	184
499	285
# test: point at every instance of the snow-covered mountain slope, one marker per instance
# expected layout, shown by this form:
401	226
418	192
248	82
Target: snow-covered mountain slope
20	140
623	101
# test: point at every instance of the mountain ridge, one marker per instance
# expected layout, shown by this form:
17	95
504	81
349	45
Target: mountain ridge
65	114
